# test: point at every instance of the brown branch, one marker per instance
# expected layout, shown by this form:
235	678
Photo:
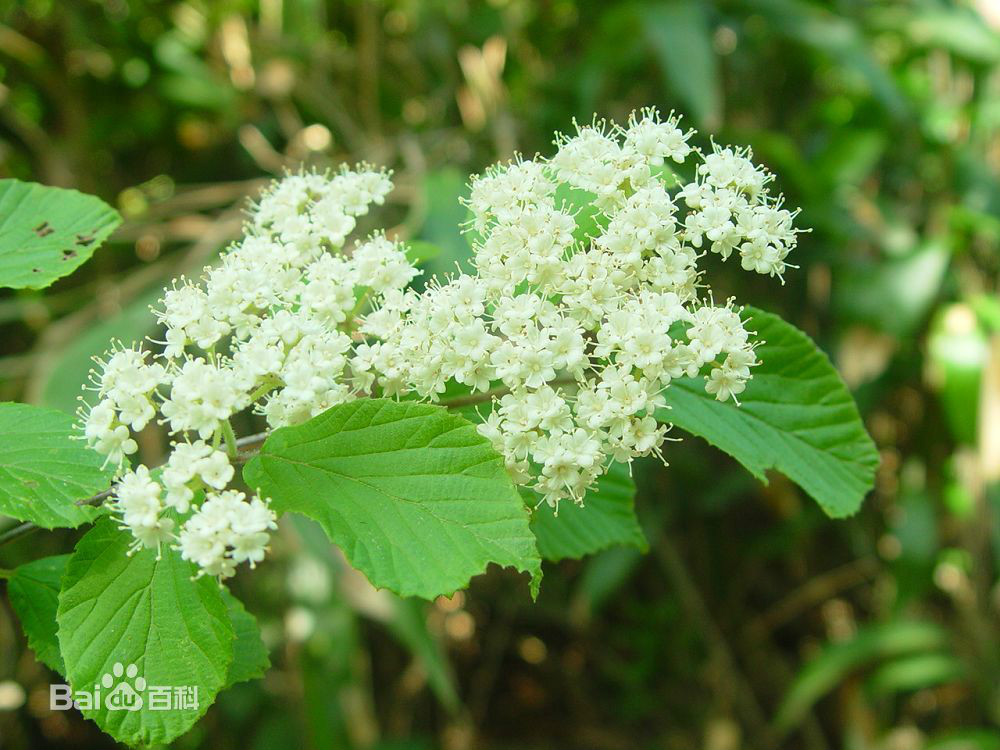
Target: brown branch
248	446
250	442
479	398
813	592
473	398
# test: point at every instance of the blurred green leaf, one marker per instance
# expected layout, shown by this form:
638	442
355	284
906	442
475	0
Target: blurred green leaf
61	382
959	30
409	624
589	219
419	252
329	661
679	34
443	218
47	233
958	494
957	353
916	525
835	35
837	661
190	82
893	295
966	739
913	525
914	672
987	308
604	574
850	156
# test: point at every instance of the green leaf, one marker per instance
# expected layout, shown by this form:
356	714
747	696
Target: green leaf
441	223
590	222
407	621
606	519
603	576
44	470
416	498
959	30
47	233
796	416
58	383
915	672
893	294
419	252
679	35
838	660
250	657
34	594
138	610
965	739
957	355
839	38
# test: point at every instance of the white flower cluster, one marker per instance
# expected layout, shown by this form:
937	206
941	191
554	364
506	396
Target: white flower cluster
585	301
582	326
268	326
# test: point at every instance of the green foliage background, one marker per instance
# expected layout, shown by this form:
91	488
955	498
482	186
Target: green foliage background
754	621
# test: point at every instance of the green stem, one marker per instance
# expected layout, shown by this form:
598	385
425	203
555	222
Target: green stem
227	433
357	307
4	573
269	384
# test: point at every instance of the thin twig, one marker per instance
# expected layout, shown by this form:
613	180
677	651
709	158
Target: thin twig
247	448
473	398
252	440
692	601
16	532
818	589
479	398
246	442
27	527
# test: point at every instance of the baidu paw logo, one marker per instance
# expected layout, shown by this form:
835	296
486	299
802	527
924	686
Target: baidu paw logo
124	697
123	690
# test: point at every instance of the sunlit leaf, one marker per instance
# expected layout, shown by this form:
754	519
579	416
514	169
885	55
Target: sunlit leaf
416	498
44	470
47	233
796	416
915	672
120	609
